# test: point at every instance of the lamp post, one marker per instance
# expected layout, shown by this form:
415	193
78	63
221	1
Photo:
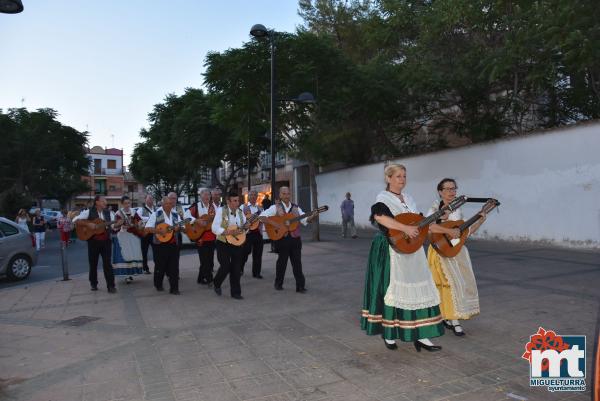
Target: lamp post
260	32
11	6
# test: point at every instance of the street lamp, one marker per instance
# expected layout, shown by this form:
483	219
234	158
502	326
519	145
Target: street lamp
11	6
260	32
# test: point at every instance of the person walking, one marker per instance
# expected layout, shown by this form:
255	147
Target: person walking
347	208
23	219
39	228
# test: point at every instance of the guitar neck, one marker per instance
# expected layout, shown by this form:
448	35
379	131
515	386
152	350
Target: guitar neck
472	221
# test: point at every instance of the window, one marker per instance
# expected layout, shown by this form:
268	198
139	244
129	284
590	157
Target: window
100	187
131	188
111	164
8	229
97	166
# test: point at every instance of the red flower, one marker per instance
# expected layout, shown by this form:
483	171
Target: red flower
544	340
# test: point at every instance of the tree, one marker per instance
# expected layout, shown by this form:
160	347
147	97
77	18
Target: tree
182	142
41	158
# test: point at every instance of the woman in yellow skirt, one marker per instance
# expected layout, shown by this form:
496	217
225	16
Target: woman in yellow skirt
454	276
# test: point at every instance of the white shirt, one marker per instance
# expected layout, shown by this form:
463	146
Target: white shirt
151	223
272	211
84	215
202	210
253	208
140	212
234	218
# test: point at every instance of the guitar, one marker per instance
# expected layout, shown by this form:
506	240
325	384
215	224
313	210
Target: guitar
402	242
256	222
164	232
136	226
239	238
194	231
451	247
84	232
278	226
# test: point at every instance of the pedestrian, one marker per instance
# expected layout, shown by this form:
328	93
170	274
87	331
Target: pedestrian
166	258
230	256
39	228
266	202
254	239
23	219
290	246
99	244
347	208
126	247
144	213
400	299
454	276
204	210
65	226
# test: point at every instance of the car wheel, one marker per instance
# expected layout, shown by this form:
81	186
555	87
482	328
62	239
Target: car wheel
19	267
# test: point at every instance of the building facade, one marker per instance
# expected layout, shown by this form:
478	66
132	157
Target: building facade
108	177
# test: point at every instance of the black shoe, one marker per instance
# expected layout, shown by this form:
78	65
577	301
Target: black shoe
458	333
112	290
354	236
94	287
237	297
278	287
160	289
448	325
218	291
174	292
147	271
258	276
199	281
301	290
390	346
430	348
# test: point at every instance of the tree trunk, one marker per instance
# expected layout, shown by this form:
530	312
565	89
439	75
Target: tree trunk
312	172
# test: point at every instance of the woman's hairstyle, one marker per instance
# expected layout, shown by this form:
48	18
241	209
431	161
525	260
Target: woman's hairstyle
440	185
392	169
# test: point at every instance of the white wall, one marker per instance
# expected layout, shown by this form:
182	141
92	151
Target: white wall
548	184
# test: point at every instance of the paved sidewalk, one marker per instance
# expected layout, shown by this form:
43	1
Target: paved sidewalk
59	341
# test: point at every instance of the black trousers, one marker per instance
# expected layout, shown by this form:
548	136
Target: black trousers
289	247
254	246
96	249
230	261
206	252
146	242
166	261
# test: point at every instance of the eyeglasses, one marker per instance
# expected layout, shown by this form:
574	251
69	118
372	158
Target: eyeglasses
452	189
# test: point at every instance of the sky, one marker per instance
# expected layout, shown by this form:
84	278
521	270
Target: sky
103	65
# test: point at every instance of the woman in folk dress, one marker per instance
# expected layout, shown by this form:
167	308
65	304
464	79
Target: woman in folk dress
127	249
400	298
454	276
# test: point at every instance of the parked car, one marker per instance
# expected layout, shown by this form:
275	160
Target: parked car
17	250
51	217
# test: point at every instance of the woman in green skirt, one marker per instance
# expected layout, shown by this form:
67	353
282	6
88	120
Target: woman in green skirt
401	300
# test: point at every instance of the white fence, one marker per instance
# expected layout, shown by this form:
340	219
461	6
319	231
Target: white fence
548	184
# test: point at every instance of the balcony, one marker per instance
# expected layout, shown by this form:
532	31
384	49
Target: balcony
106	171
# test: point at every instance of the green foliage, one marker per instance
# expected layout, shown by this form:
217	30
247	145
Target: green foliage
40	157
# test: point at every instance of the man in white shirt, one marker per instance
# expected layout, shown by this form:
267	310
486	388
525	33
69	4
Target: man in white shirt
229	256
254	239
206	243
166	257
289	246
144	213
99	244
